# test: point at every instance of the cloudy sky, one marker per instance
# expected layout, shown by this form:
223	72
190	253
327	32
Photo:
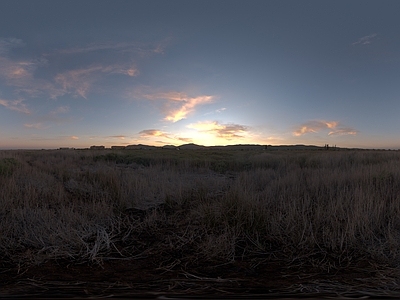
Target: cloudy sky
212	72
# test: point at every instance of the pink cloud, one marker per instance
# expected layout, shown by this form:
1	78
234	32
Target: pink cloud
317	126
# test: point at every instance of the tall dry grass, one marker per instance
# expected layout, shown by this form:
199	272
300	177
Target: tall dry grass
325	209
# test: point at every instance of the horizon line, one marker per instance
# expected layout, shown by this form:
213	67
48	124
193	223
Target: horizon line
166	146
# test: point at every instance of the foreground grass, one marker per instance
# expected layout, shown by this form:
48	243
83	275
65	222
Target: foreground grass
325	210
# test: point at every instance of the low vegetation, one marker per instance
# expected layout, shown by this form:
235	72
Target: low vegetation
196	210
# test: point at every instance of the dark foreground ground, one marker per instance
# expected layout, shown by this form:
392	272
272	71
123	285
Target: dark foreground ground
143	279
199	224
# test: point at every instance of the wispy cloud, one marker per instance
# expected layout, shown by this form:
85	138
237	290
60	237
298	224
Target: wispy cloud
11	70
21	73
16	105
60	110
177	105
93	47
217	111
225	131
133	47
365	40
128	71
79	81
220	110
74	137
53	117
8	43
317	126
15	71
37	87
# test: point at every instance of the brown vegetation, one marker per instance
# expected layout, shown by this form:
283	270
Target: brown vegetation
267	219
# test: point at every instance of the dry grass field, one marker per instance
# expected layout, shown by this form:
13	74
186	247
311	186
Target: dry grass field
201	221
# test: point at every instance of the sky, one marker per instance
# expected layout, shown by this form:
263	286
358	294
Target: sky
78	73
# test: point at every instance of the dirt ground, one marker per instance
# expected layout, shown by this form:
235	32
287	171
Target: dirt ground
143	278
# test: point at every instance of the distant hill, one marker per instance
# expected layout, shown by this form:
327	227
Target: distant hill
191	146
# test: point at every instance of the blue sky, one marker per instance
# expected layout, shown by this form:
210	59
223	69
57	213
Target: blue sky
93	72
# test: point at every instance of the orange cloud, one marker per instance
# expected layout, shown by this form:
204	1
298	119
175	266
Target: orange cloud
179	105
316	126
152	133
74	137
303	129
225	131
121	137
331	124
16	105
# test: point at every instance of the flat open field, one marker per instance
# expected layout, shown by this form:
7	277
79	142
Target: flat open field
199	222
